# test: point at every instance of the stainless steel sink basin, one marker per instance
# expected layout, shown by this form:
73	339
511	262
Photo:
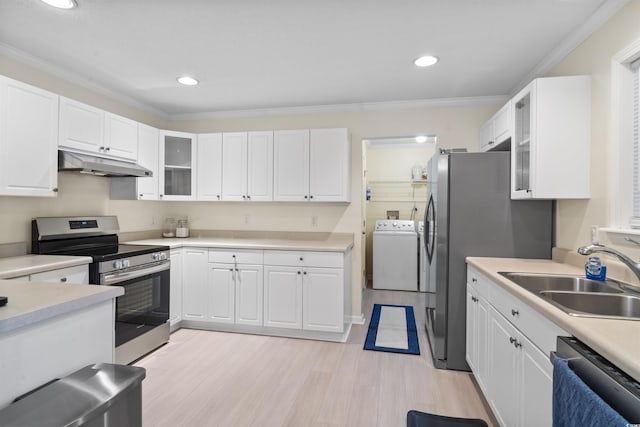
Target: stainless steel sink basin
543	282
595	304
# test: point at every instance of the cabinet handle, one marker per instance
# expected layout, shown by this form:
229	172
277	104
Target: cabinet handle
231	269
161	196
233	256
63	279
298	272
101	149
218	196
512	340
305	273
529	190
474	280
301	259
248	197
107	148
55	190
306	197
490	143
518	344
244	197
515	312
310	197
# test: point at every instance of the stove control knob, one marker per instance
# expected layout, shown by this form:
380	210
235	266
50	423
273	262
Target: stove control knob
155	257
117	264
126	263
163	256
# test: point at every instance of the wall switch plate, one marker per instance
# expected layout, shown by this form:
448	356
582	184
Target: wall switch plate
246	219
314	220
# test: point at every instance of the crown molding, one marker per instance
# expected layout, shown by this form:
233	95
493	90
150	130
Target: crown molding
346	108
75	78
595	21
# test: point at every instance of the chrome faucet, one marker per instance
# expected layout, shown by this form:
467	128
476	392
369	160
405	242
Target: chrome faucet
589	249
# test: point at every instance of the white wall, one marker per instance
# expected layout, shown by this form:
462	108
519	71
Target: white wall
593	57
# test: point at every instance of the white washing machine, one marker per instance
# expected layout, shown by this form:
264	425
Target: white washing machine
395	255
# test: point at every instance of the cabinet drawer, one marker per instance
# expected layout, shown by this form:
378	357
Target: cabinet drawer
304	258
235	255
533	325
479	282
78	275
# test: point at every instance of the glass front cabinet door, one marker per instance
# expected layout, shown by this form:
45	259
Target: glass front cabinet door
177	166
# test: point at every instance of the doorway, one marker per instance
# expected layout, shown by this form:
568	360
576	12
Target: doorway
394	184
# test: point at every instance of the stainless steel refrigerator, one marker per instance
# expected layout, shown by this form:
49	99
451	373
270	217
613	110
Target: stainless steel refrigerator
470	213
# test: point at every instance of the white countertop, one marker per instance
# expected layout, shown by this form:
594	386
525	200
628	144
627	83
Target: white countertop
28	264
32	302
338	242
616	340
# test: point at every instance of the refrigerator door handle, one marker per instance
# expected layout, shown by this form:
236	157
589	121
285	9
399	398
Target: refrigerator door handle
429	230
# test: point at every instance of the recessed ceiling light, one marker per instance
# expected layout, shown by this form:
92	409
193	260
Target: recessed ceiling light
61	4
421	139
187	81
426	61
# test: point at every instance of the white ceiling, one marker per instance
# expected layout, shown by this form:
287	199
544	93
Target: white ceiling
266	54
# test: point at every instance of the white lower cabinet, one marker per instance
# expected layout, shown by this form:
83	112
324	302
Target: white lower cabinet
477	336
235	294
322	299
508	346
76	275
282	297
195	292
304	290
302	294
221	293
175	290
248	294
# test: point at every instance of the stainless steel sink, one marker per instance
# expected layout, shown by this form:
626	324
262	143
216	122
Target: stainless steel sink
543	282
595	304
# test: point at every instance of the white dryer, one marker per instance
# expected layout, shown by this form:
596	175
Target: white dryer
395	255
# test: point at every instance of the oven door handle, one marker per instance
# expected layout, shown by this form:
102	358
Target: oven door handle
109	279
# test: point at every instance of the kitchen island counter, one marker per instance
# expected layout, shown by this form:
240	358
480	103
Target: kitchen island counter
615	340
33	302
49	330
24	265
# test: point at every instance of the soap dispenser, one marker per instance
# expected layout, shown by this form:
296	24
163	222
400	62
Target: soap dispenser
594	269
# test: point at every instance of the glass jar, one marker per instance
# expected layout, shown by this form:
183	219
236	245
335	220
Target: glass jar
182	229
169	229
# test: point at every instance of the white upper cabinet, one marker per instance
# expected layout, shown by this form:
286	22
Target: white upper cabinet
234	166
312	165
260	166
121	137
209	171
247	166
291	165
329	165
551	147
81	127
496	132
91	130
144	188
178	154
28	140
148	138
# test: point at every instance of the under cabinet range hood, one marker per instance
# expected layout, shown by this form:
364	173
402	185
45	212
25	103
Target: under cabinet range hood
85	163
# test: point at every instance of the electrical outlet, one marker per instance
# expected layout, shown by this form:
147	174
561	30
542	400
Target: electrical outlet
314	220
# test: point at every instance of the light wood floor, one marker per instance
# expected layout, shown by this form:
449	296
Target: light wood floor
203	378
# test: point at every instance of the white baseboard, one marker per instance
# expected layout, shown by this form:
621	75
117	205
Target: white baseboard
358	319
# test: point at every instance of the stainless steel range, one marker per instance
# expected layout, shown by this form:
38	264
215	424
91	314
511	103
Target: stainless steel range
142	313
